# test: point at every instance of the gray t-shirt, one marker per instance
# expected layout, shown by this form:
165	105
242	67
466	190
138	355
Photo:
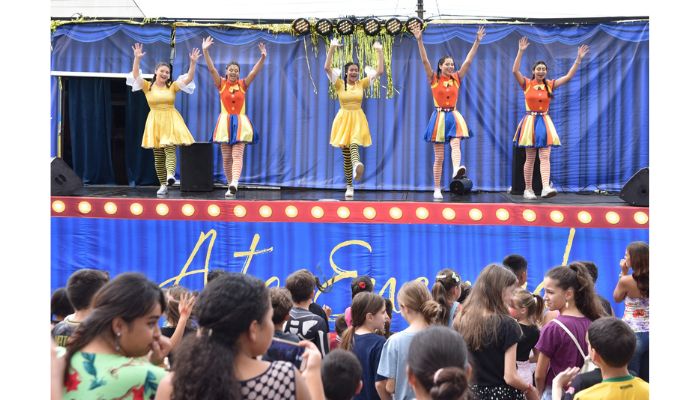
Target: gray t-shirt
392	363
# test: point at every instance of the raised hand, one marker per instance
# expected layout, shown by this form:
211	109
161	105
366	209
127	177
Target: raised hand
194	54
523	43
417	32
263	50
480	33
186	304
138	50
335	43
582	51
206	43
377	46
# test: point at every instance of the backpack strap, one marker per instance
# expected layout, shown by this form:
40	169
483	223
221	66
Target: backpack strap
571	335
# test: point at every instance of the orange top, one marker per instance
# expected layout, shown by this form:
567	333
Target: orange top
536	98
445	90
232	96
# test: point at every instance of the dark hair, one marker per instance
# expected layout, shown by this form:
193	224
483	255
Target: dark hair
215	273
82	286
236	64
546	86
590	267
60	304
439	64
613	340
439	349
415	296
345	72
341	373
225	309
341	325
577	278
516	263
362	283
466	289
639	262
364	303
170	79
533	302
281	301
128	296
389	312
172	311
484	310
301	285
445	281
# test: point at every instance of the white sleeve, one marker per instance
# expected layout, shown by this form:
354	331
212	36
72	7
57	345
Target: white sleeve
135	83
189	88
334	75
371	74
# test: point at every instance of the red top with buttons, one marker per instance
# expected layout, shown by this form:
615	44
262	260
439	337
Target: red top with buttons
445	90
232	96
536	98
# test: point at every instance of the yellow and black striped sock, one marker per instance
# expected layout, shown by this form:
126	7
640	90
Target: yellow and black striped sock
347	166
170	159
159	157
354	154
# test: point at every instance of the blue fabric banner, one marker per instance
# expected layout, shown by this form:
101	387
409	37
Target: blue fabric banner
392	254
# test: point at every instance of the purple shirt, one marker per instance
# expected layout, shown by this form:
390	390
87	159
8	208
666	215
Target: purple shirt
558	346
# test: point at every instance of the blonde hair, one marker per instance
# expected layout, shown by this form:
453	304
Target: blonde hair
414	295
532	302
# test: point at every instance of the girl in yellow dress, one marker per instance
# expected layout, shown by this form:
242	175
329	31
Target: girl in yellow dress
165	127
350	128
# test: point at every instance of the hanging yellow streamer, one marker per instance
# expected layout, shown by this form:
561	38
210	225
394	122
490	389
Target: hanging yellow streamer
565	259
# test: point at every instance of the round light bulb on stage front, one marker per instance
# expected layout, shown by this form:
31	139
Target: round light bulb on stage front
529	215
369	212
324	27
393	26
213	210
641	217
475	214
344	26
556	216
84	207
448	213
301	26
317	212
265	211
136	208
291	211
371	26
239	211
585	217
188	210
395	213
502	214
58	206
414	22
162	209
422	213
343	212
612	217
110	208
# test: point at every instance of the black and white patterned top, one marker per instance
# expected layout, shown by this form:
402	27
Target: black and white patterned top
275	383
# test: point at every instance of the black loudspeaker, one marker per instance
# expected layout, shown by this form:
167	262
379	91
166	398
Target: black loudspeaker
64	182
518	184
196	168
461	186
636	190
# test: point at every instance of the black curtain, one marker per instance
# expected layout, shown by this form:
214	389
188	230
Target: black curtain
140	167
90	119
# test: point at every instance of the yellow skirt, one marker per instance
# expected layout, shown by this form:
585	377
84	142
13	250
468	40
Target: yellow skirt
350	126
165	127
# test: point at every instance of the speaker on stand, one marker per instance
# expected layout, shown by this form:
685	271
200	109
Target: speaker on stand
64	181
636	190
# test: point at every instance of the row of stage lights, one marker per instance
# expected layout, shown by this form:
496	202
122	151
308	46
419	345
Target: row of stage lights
346	26
318	212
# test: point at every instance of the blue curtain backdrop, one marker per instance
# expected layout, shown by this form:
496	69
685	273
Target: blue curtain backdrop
602	114
387	252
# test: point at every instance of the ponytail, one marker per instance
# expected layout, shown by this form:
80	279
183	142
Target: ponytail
364	303
445	281
576	277
449	383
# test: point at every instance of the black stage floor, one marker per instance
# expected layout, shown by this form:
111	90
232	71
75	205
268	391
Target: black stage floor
302	194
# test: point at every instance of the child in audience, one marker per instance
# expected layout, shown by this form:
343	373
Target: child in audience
81	288
437	365
304	323
420	311
60	306
445	292
362	283
369	310
235	320
492	335
334	338
342	375
105	356
568	290
528	309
